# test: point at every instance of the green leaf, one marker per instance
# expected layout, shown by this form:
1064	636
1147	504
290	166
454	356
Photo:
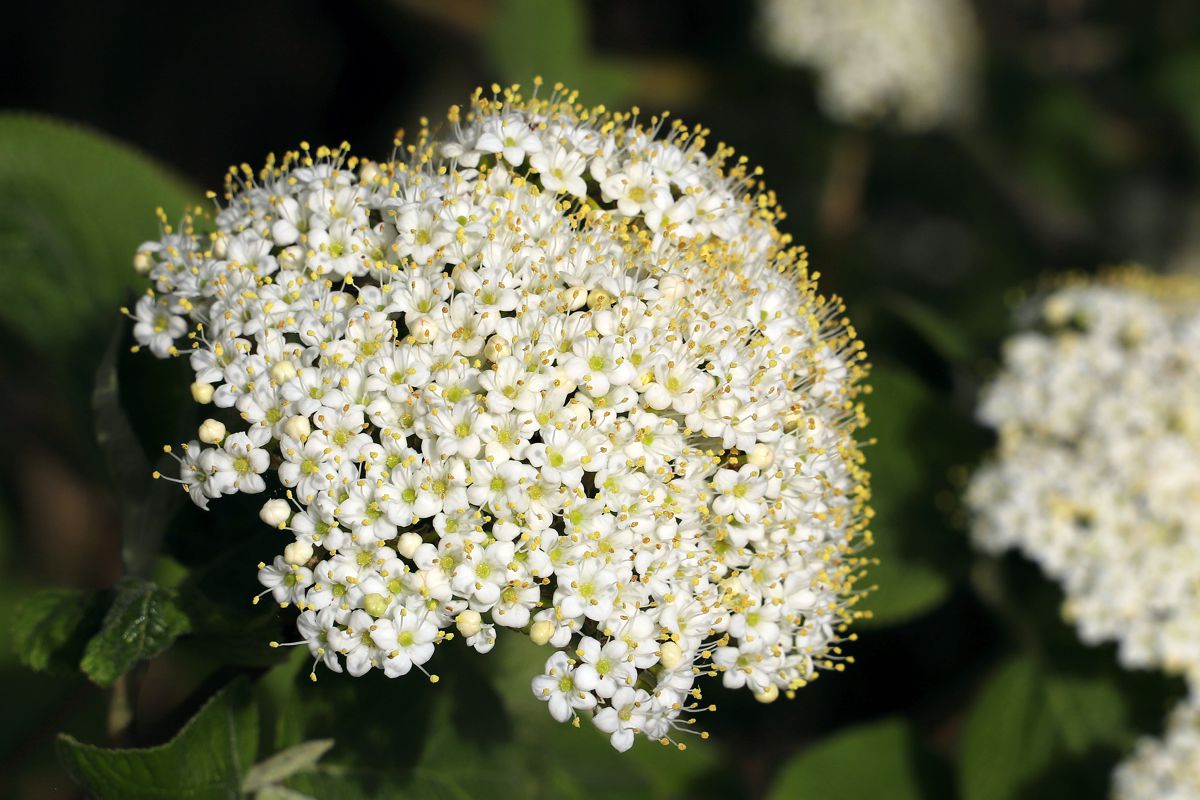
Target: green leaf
74	206
51	626
206	759
940	333
1178	83
581	762
904	590
1024	718
865	763
549	38
894	405
283	793
284	764
907	586
1008	736
146	504
143	621
1087	712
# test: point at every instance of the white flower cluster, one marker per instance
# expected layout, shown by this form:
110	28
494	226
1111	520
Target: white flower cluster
910	61
556	372
1168	769
1097	472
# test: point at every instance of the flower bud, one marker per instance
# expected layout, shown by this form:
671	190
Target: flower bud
761	456
424	330
143	262
376	605
276	513
297	553
673	287
368	171
211	431
469	623
575	297
220	245
497	347
670	655
1057	310
598	299
297	427
408	543
283	371
768	695
541	631
202	393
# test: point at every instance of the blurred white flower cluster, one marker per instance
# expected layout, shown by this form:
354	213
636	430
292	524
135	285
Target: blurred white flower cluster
1167	769
1096	477
556	372
911	62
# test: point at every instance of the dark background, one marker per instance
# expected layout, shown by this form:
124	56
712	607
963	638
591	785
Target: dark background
1083	153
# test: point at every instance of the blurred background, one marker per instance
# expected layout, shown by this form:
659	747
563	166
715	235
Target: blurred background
1070	141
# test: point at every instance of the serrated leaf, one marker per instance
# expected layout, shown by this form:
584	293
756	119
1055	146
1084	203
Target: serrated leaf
286	763
865	763
50	627
74	206
206	759
143	621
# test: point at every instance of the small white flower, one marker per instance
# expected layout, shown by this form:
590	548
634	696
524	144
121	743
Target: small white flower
558	688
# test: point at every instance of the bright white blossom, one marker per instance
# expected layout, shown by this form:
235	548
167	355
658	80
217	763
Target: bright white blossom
1166	769
1096	476
557	373
907	61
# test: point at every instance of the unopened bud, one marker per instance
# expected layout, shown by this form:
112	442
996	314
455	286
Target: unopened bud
541	631
768	695
598	299
283	371
408	543
670	655
211	431
143	262
575	297
469	623
202	393
368	171
297	553
1057	310
761	456
673	287
220	245
276	513
424	330
497	347
297	427
376	605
